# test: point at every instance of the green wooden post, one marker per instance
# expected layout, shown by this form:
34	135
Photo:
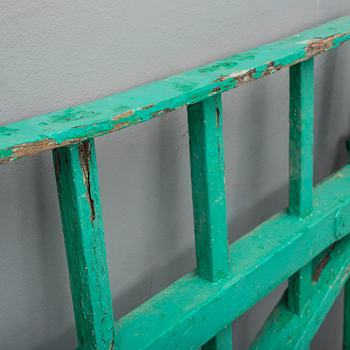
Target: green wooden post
301	166
209	199
290	331
79	199
301	137
200	307
222	341
299	286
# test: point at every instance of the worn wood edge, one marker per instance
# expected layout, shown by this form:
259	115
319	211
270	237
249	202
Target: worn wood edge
205	308
81	217
301	121
72	125
287	330
209	198
208	187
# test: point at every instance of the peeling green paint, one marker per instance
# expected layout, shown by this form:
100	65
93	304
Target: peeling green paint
285	329
124	109
259	262
301	131
308	241
209	199
79	199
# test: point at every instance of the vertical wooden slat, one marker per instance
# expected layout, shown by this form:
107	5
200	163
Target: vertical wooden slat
209	199
222	341
208	187
301	138
299	288
79	199
301	166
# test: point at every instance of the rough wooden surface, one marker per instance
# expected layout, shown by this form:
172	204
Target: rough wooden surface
198	308
208	187
79	199
191	311
205	125
301	127
73	124
301	130
286	330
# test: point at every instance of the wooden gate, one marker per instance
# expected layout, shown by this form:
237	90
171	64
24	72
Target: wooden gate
307	244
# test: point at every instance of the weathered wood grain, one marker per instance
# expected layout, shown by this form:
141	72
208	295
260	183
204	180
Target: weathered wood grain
115	112
208	187
205	123
301	130
287	330
79	199
199	308
301	127
192	310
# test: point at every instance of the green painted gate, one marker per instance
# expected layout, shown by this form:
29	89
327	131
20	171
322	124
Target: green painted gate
307	244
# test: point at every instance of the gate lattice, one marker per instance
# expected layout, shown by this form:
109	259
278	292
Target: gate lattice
307	243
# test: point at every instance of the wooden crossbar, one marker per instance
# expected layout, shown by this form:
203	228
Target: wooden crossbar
259	262
138	105
308	243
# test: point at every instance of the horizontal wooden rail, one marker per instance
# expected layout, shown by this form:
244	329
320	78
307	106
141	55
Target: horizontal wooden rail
287	330
259	262
74	124
198	309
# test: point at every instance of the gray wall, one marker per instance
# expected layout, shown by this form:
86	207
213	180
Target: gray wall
63	52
